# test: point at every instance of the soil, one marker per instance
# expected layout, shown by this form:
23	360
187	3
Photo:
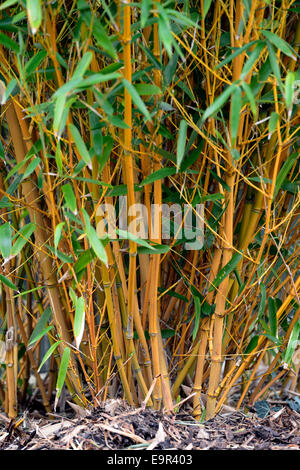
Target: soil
115	426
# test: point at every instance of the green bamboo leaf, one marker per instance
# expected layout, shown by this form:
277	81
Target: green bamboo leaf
155	249
78	84
11	89
84	153
172	293
273	122
145	11
25	234
170	69
97	135
59	108
263	300
58	159
197	304
252	344
83	65
108	146
293	343
147	89
121	190
280	43
93	238
34	62
218	103
17	167
69	197
181	142
284	171
272	316
49	353
164	31
5	239
8	282
58	234
235	54
136	98
130	236
7	4
118	122
84	259
40	328
9	43
251	98
274	64
73	296
192	157
79	320
31	167
225	271
249	64
289	89
34	13
157	175
236	104
62	371
99	33
206	6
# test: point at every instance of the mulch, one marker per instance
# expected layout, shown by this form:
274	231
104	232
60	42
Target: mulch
116	426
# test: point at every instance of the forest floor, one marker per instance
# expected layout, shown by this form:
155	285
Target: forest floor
270	425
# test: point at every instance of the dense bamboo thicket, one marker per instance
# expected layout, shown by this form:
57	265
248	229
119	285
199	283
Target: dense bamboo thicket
187	104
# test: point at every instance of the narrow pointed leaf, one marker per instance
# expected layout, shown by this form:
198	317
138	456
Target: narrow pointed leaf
289	89
136	98
84	153
218	103
181	142
236	103
58	234
8	282
79	320
224	272
83	65
5	239
25	234
280	43
49	353
40	328
69	197
34	12
62	371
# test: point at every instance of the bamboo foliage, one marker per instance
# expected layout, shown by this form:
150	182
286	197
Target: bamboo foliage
171	106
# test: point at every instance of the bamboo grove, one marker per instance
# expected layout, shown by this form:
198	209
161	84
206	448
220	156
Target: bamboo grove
188	102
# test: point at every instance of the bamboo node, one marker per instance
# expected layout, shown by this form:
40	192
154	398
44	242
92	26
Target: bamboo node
212	395
219	315
106	285
217	359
